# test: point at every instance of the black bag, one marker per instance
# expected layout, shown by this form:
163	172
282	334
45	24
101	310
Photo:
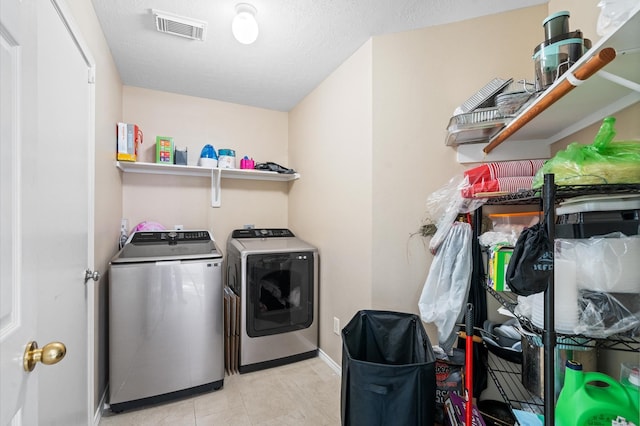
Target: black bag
531	263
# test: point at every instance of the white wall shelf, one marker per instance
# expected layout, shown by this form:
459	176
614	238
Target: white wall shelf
205	172
173	169
615	87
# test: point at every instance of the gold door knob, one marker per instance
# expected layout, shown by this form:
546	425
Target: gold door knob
51	353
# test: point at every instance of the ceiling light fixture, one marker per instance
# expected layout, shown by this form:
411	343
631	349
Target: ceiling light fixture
244	26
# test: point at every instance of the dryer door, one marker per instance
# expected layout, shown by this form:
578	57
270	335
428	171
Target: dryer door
279	292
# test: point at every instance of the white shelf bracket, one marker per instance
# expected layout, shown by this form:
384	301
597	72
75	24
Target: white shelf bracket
620	81
215	187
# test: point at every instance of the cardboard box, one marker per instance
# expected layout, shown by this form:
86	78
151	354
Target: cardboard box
164	150
499	257
128	138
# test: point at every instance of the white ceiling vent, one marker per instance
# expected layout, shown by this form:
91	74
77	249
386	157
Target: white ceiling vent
180	25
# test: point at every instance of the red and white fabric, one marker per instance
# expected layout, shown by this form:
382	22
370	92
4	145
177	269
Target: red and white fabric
506	184
501	176
503	169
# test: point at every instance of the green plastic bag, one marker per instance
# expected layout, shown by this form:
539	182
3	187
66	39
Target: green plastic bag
603	162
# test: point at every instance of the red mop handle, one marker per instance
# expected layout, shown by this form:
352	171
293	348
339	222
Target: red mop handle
469	365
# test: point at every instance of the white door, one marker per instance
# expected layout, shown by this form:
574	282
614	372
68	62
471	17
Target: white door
44	216
17	127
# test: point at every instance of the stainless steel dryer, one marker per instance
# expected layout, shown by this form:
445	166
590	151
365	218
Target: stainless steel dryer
165	318
275	274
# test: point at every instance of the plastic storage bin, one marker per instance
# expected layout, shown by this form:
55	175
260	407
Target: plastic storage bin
584	217
585	225
514	222
388	371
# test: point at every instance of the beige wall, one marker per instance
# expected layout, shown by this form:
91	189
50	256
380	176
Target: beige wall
331	143
194	122
363	216
583	15
627	128
108	189
420	77
413	98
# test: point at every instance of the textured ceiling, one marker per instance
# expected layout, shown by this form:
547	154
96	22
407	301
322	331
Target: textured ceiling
300	43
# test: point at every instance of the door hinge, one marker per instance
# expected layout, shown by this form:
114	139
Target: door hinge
91	275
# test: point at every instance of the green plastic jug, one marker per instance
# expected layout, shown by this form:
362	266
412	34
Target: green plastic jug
595	399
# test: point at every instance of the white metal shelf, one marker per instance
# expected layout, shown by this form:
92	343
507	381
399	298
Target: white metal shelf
215	174
615	87
550	194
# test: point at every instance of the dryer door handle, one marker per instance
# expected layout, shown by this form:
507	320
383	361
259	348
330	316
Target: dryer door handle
277	258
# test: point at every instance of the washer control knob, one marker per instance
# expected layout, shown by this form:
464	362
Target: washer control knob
172	237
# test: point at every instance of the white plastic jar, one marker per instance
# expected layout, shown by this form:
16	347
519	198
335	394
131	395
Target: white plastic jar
226	159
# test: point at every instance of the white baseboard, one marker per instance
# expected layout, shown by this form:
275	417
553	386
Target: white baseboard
330	362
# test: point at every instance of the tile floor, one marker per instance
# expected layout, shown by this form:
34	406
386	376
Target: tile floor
303	393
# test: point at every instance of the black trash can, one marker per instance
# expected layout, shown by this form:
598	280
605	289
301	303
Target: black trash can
388	371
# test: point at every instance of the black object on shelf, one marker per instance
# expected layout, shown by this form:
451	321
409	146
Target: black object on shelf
586	230
273	167
506	353
591	223
496	413
388	370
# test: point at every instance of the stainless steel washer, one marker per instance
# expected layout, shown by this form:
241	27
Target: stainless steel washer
165	318
276	276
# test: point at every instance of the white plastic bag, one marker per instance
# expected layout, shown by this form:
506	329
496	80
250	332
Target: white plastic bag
612	265
612	14
444	205
606	314
447	286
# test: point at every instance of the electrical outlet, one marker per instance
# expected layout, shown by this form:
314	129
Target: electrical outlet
124	226
336	325
178	227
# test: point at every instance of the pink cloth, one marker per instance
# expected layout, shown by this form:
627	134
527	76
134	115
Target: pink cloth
148	226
